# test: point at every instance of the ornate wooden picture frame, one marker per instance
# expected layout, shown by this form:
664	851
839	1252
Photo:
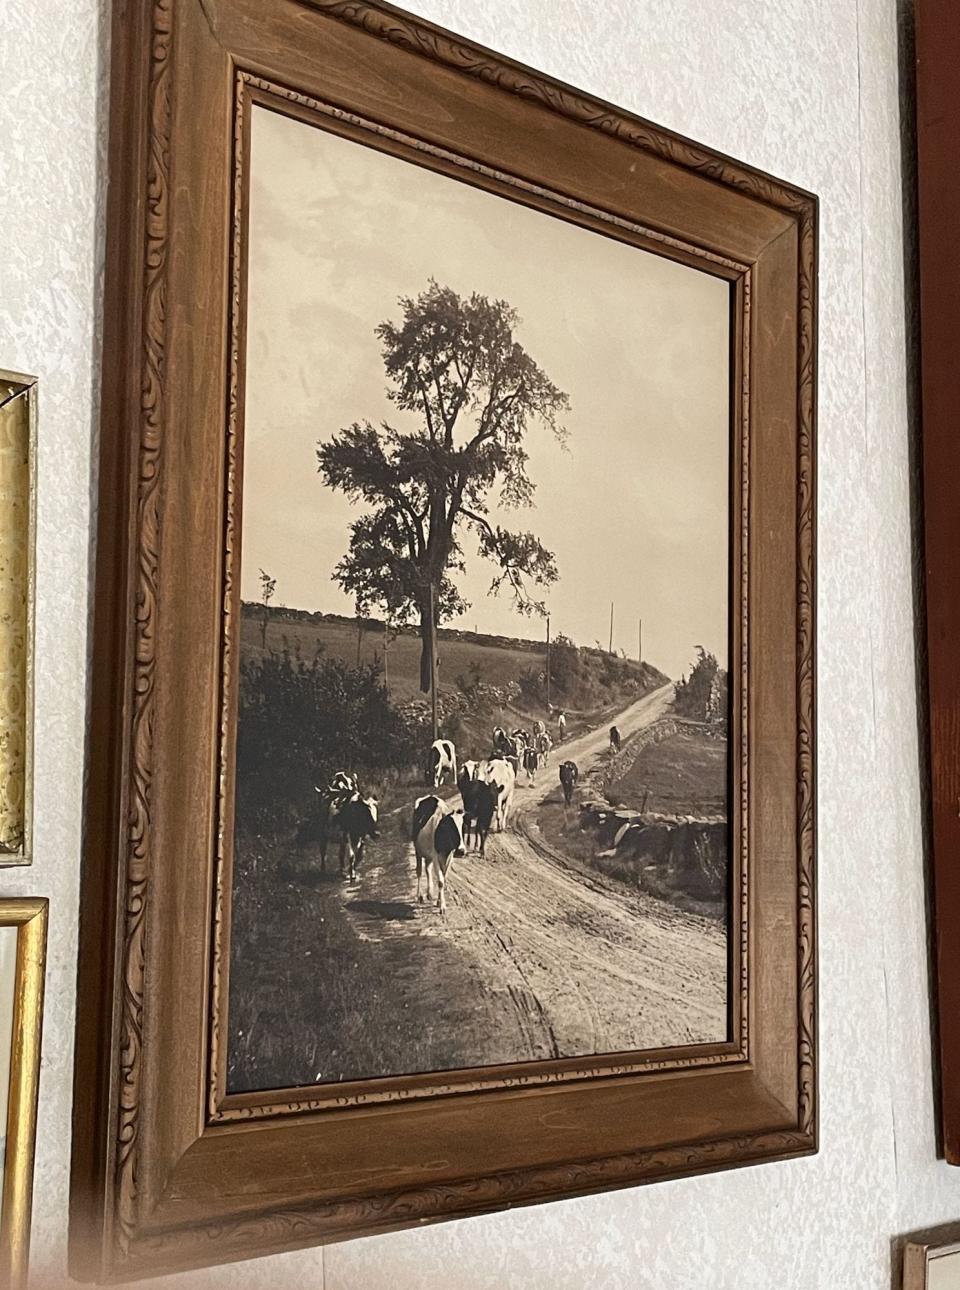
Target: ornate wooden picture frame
172	1168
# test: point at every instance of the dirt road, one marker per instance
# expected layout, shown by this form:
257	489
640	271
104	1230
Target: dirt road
548	961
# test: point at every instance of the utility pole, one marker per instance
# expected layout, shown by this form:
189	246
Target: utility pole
386	665
611	627
548	664
434	718
639	640
359	637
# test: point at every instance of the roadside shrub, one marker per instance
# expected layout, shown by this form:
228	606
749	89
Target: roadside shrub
702	695
566	668
532	685
301	721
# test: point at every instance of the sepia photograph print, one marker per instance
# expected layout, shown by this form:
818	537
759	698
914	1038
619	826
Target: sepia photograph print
482	775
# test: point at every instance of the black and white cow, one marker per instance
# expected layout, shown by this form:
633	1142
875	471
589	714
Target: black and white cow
313	826
568	780
466	781
342	782
350	819
614	739
441	761
544	745
501	774
502	743
479	805
531	763
483	809
437	836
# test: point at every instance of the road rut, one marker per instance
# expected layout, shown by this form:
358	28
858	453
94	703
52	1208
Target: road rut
564	963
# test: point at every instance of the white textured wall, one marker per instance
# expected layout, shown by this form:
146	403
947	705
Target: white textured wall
807	89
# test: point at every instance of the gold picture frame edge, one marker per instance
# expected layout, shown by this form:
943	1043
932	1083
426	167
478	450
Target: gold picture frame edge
30	916
28	385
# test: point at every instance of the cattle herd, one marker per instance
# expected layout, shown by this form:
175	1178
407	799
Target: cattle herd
440	830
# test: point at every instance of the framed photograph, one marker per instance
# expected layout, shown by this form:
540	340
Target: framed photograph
931	1267
938	189
23	932
450	838
18	441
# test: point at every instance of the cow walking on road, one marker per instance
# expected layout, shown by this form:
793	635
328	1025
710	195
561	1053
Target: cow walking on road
441	762
437	838
614	739
568	780
501	774
348	818
479	808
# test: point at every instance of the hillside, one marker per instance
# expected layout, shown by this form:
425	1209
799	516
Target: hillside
464	656
485	680
499	660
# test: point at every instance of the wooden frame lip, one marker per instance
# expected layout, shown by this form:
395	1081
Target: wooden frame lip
276	97
460	1081
128	1222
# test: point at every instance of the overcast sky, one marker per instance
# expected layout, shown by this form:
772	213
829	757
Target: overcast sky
635	510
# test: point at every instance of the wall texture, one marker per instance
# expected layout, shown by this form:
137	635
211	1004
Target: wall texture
810	91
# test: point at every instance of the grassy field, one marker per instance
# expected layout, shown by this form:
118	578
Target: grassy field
494	664
683	775
309	1000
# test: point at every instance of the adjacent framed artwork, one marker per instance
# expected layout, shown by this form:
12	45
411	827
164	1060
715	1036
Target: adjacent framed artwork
23	933
931	1267
938	118
18	440
450	822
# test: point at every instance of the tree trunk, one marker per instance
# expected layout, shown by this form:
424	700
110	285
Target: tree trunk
426	651
429	680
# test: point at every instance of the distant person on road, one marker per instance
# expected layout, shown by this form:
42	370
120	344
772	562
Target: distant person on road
562	725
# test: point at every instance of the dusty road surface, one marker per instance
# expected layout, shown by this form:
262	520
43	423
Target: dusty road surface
536	958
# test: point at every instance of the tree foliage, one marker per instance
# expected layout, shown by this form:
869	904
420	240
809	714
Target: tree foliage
454	365
268	586
703	694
